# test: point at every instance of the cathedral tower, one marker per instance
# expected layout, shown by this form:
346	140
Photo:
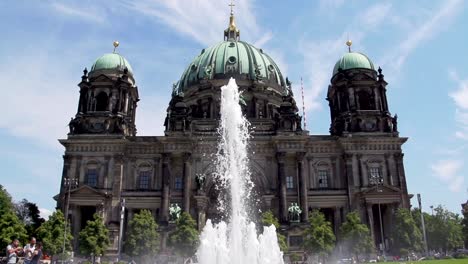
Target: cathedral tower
108	98
357	97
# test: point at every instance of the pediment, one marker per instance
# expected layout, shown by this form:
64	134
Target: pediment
382	190
101	78
85	190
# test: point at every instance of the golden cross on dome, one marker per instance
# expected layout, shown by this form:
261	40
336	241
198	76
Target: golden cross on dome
232	5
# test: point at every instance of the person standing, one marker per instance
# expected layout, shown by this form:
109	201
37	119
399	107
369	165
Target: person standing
12	251
29	250
37	254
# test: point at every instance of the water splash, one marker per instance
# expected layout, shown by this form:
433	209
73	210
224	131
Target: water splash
236	241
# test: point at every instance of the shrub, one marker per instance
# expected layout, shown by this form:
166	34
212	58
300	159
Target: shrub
461	256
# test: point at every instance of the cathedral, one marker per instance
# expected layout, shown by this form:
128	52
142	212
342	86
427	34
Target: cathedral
111	171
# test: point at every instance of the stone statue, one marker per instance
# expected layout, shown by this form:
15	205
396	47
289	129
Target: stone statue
175	90
71	126
200	179
174	212
395	123
294	212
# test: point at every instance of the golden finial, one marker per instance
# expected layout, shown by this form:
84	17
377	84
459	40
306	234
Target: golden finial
231	32
349	43
116	44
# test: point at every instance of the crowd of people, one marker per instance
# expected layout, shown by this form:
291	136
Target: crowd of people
32	252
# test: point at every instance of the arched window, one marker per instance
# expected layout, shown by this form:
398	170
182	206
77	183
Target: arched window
366	100
375	174
102	102
178	184
323	178
289	182
92	177
144	180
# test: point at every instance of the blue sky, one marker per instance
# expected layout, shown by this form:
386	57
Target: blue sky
420	45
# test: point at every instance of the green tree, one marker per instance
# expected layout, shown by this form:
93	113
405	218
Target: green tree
10	226
142	237
465	228
94	238
184	239
268	219
29	214
319	238
51	233
444	230
356	235
406	236
6	203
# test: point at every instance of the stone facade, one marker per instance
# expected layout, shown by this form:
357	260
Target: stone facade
359	166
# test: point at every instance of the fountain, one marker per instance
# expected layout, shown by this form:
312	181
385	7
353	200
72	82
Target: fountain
235	241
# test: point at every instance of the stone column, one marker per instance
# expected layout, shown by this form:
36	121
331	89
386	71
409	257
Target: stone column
65	174
392	169
166	174
333	174
337	221
349	179
370	216
156	174
402	179
187	181
385	173
108	174
364	175
202	205
283	209
312	179
303	186
356	176
118	171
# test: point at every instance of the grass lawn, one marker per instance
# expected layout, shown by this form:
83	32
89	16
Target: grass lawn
439	261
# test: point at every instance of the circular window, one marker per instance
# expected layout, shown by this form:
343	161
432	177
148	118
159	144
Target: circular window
232	59
232	45
193	68
271	68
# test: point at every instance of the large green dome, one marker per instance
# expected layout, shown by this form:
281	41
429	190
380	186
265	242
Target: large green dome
353	60
111	61
231	58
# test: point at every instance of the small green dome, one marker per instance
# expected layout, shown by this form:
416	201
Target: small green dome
353	60
233	58
111	61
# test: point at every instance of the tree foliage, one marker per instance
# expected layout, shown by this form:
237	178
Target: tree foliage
444	230
356	235
184	240
10	226
406	235
268	219
94	238
319	237
465	228
29	215
142	236
51	233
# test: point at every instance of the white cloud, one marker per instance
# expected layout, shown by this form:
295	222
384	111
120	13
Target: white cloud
42	99
320	56
82	12
460	98
448	171
203	20
45	213
419	34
